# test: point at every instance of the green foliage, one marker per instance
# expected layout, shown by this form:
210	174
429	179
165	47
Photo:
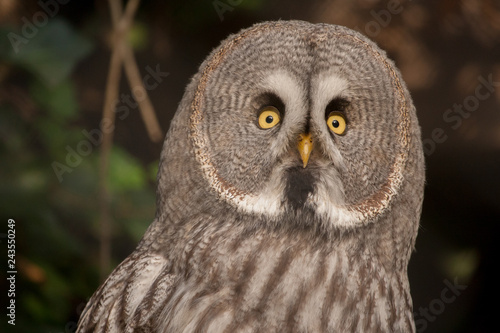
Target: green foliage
57	227
138	36
59	100
49	52
125	173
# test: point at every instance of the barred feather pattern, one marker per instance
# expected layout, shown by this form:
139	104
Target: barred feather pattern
284	285
231	279
118	305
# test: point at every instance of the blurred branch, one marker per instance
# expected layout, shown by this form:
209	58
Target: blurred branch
121	52
108	118
145	105
131	69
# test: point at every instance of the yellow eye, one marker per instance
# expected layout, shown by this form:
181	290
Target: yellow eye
337	123
269	117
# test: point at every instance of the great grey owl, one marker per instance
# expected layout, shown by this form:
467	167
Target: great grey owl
289	195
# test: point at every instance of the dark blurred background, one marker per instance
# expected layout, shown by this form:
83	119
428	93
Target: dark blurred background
54	60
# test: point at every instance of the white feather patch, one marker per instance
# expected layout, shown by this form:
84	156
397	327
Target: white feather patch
329	86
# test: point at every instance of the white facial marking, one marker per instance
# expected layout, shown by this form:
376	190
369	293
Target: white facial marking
325	87
328	87
293	96
269	200
328	199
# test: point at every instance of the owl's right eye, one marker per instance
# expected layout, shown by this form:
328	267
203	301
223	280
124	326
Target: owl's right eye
269	117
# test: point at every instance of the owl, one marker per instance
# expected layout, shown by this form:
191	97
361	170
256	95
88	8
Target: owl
289	195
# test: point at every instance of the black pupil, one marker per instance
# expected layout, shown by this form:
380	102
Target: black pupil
335	123
269	119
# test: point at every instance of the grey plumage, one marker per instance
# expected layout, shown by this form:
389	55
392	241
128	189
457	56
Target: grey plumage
247	239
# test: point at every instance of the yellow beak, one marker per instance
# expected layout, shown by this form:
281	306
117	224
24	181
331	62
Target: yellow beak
305	146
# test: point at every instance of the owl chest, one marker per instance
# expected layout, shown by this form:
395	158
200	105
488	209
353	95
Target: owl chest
273	292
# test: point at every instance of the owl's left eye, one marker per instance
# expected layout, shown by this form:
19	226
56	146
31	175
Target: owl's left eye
269	117
337	123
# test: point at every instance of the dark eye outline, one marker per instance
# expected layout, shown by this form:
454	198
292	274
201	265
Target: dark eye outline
269	101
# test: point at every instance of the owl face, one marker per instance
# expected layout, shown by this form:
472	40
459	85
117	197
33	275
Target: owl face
291	117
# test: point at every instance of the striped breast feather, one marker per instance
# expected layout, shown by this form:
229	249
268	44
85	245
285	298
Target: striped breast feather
130	297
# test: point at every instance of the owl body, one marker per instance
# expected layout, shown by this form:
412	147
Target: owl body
289	193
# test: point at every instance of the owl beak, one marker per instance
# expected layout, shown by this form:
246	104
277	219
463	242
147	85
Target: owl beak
305	146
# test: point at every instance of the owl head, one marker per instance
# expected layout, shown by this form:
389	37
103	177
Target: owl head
297	123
